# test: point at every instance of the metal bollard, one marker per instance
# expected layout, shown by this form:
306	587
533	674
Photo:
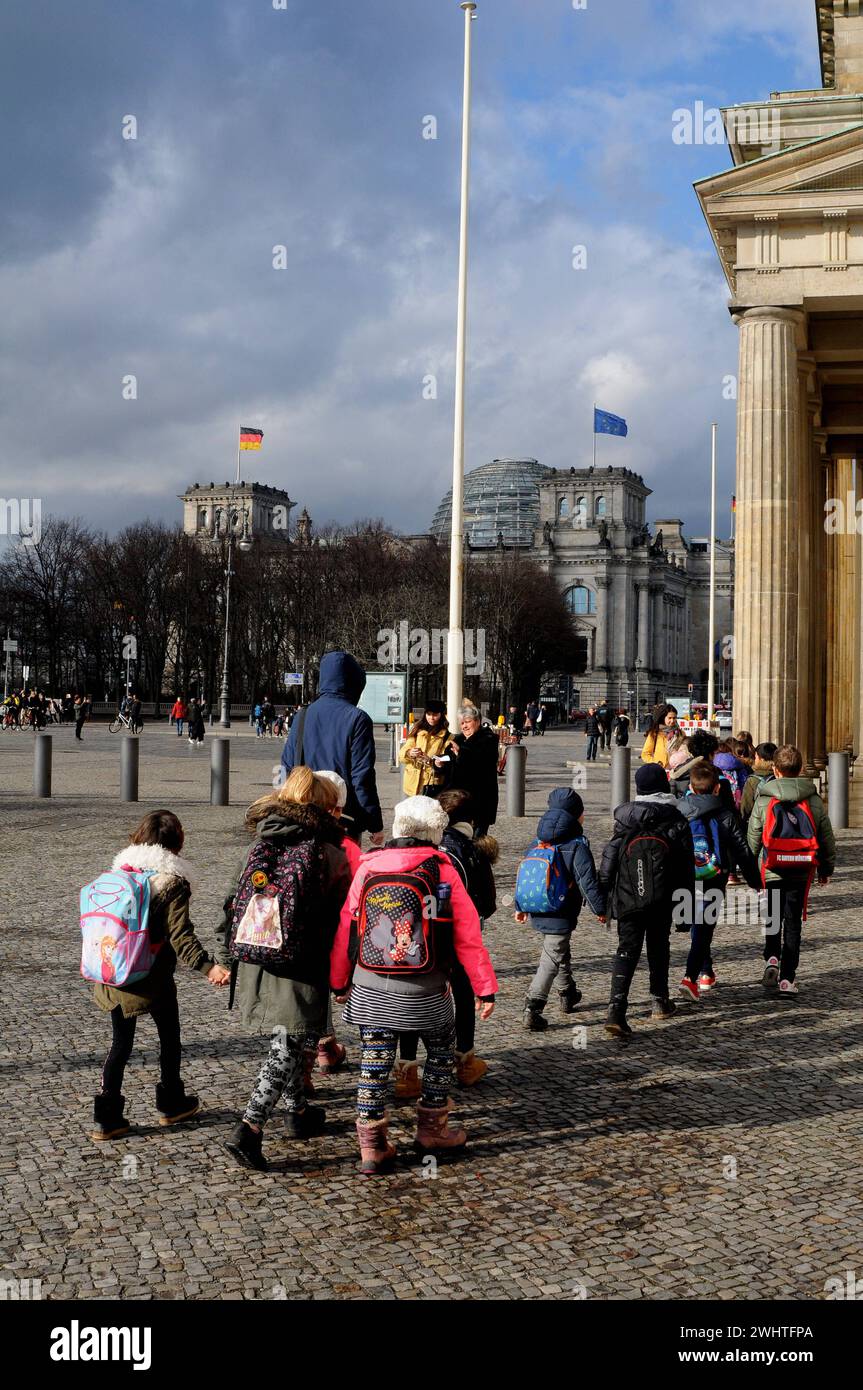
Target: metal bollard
516	768
42	765
621	766
130	748
220	772
838	773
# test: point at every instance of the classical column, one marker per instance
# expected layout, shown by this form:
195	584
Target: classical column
806	375
656	627
602	622
644	626
766	572
819	589
842	610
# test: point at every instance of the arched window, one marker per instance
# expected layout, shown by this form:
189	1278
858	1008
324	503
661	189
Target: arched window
599	508
580	514
202	519
562	508
580	600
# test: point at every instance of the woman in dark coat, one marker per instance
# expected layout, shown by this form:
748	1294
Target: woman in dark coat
476	751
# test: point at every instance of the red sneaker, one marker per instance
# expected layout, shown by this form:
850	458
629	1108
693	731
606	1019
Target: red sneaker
706	983
689	988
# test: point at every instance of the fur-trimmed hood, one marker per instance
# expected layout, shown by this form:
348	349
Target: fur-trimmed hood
291	820
162	861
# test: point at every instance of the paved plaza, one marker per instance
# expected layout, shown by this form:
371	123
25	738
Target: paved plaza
715	1157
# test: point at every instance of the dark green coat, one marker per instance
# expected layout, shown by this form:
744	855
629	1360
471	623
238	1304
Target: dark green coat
794	789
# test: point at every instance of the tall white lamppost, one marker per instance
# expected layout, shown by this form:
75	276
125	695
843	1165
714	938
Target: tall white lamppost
711	665
455	638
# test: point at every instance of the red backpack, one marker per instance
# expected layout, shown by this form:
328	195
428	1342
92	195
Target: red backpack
789	839
394	932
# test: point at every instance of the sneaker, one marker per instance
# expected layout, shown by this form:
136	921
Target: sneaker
787	987
771	972
307	1123
618	1029
706	983
533	1017
663	1008
689	988
570	998
246	1146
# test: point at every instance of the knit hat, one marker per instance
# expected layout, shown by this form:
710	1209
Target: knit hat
419	818
340	785
651	778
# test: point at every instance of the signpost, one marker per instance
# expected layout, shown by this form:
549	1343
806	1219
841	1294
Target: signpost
130	653
385	700
9	647
292	678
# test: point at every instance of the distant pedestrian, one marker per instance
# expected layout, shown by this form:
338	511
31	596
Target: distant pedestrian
532	713
179	713
621	727
604	718
196	724
662	731
476	748
593	731
81	710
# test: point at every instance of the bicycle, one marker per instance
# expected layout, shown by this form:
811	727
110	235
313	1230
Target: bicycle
124	721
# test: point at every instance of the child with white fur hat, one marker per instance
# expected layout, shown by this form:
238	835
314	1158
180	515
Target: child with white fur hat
389	962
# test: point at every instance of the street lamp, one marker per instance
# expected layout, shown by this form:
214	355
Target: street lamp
638	666
244	544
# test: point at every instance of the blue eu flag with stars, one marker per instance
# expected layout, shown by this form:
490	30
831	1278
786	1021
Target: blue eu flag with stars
604	423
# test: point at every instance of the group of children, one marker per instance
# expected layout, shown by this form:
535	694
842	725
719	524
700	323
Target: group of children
395	934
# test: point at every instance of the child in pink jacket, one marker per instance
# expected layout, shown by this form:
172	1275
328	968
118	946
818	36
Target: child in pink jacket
407	913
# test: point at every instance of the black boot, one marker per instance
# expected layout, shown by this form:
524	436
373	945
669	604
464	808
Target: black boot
246	1146
570	998
533	1019
662	1007
174	1105
617	1025
108	1118
306	1123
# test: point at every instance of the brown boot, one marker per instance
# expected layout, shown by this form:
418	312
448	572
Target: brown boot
376	1152
407	1081
331	1055
469	1068
434	1134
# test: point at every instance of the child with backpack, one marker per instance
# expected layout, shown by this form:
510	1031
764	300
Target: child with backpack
277	931
790	831
135	924
729	762
762	771
555	877
473	856
331	1054
648	859
719	847
407	916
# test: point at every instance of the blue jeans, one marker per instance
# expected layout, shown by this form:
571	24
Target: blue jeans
699	960
592	741
179	728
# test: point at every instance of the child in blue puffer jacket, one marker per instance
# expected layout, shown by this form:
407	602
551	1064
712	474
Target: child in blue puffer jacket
562	826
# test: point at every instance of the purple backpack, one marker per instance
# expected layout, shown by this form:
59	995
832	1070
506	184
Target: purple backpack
277	904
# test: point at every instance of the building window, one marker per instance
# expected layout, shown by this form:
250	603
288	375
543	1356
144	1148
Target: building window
599	509
580	517
562	509
580	600
202	519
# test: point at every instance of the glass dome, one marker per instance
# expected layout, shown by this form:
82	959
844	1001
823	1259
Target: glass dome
501	497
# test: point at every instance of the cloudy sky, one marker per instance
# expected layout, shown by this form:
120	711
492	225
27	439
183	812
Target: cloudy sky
303	127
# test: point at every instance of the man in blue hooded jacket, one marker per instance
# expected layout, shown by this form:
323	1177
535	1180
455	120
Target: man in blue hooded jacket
338	737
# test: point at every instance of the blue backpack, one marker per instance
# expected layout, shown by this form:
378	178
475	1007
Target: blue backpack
541	884
115	943
708	848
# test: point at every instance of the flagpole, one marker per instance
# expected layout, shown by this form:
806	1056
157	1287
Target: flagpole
238	455
711	667
594	436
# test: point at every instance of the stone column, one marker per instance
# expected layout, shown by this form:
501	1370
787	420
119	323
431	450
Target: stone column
806	372
644	626
766	572
656	627
603	618
820	600
842	610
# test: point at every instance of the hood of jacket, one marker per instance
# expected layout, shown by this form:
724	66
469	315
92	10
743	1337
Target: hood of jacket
762	769
729	762
400	856
160	860
700	804
343	676
560	822
651	813
788	788
294	822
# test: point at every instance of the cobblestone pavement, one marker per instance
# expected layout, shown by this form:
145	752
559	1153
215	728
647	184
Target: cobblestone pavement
715	1157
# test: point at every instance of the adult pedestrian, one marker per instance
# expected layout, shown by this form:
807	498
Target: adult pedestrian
539	726
426	744
621	728
663	729
476	750
178	714
196	724
532	712
592	731
81	709
331	734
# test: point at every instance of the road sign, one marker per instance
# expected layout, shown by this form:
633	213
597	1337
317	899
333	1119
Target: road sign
292	678
9	645
385	697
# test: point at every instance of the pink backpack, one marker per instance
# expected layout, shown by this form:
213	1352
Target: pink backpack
115	943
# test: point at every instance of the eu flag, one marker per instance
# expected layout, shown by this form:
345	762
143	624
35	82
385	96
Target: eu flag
604	423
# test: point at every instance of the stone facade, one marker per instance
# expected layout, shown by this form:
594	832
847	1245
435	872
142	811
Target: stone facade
260	513
787	222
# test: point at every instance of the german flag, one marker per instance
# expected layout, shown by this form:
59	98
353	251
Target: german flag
250	439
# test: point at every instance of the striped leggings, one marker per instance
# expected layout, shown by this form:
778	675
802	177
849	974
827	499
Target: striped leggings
377	1060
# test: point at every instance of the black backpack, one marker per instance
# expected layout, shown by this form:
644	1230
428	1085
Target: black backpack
643	873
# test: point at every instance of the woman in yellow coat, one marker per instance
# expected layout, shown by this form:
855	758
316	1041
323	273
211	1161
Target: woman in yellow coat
428	739
662	731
